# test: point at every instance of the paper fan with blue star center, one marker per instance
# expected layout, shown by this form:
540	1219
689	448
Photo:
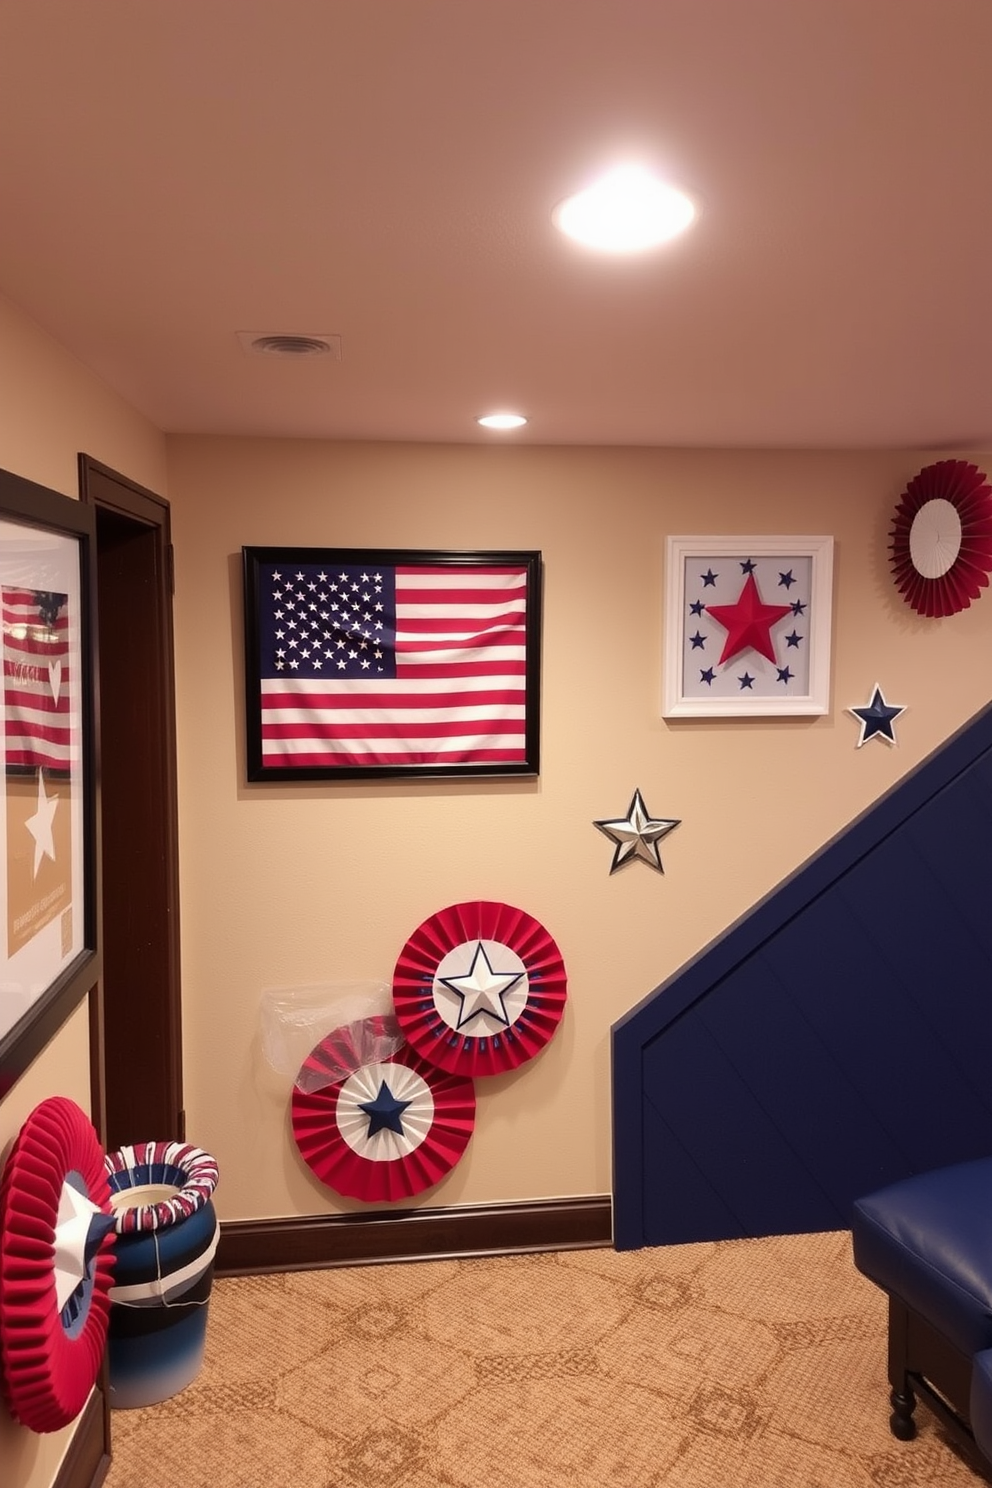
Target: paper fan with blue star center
479	988
382	1130
56	1234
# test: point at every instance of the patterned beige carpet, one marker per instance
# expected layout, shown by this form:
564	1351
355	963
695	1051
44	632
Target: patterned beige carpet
744	1364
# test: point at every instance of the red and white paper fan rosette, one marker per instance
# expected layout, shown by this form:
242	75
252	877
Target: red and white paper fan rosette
479	988
56	1233
941	538
381	1130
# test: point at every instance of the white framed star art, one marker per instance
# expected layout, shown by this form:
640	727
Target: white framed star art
48	937
747	624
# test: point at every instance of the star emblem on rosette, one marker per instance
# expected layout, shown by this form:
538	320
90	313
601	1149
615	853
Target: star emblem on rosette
374	1120
479	988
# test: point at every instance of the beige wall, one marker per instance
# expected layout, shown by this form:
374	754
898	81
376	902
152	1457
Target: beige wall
289	885
51	408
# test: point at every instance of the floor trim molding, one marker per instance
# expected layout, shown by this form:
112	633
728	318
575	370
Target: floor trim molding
255	1246
87	1457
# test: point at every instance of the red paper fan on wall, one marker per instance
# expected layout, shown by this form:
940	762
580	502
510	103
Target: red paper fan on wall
388	1129
56	1234
941	538
479	988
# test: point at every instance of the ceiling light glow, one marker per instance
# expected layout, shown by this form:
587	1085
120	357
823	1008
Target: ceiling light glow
501	420
628	211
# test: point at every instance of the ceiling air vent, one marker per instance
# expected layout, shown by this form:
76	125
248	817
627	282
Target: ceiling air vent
290	345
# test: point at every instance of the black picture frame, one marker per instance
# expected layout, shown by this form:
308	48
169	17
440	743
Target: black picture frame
282	743
48	966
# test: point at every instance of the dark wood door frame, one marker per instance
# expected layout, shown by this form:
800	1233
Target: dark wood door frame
137	1009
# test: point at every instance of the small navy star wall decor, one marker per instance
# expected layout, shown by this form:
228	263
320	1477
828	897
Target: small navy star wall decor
877	718
636	835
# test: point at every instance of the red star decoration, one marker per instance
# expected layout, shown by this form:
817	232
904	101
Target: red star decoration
748	623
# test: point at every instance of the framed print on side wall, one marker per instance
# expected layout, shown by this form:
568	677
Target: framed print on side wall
747	626
48	919
364	662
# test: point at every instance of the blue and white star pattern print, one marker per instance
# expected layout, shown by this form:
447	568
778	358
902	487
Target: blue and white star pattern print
782	581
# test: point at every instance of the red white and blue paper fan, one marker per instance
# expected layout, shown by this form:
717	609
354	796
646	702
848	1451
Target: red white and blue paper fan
941	538
387	1130
479	988
56	1234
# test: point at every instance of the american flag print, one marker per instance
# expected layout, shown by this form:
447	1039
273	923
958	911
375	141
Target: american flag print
393	665
37	683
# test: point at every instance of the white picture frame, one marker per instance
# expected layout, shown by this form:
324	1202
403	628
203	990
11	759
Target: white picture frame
779	665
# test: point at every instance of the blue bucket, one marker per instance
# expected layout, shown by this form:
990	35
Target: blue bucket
166	1239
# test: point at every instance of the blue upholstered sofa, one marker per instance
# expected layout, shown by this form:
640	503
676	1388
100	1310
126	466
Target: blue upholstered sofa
927	1242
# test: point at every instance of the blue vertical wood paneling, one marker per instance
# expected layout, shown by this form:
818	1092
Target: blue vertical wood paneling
762	1180
678	1197
801	1083
835	1039
938	973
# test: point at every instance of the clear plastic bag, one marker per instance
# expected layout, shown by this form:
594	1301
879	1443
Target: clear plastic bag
352	1021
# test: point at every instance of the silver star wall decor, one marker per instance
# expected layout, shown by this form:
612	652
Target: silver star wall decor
636	835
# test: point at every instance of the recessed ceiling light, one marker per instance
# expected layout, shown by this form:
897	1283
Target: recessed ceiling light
627	211
291	345
501	420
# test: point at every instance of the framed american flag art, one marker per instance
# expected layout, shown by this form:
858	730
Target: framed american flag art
364	662
48	923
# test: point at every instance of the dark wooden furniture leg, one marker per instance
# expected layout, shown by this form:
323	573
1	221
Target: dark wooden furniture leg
902	1398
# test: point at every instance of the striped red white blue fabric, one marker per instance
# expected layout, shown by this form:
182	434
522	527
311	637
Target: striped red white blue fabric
36	679
387	665
192	1172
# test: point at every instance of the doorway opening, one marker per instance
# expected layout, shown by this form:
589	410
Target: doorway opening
138	813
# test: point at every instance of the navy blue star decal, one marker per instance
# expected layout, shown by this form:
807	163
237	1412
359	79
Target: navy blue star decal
697	607
748	566
709	579
877	719
786	580
385	1112
785	675
793	639
746	681
707	676
698	641
798	606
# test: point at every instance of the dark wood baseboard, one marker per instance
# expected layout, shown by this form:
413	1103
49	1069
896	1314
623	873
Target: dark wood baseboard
254	1246
87	1457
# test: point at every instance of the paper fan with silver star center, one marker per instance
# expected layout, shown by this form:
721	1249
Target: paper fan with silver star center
479	988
